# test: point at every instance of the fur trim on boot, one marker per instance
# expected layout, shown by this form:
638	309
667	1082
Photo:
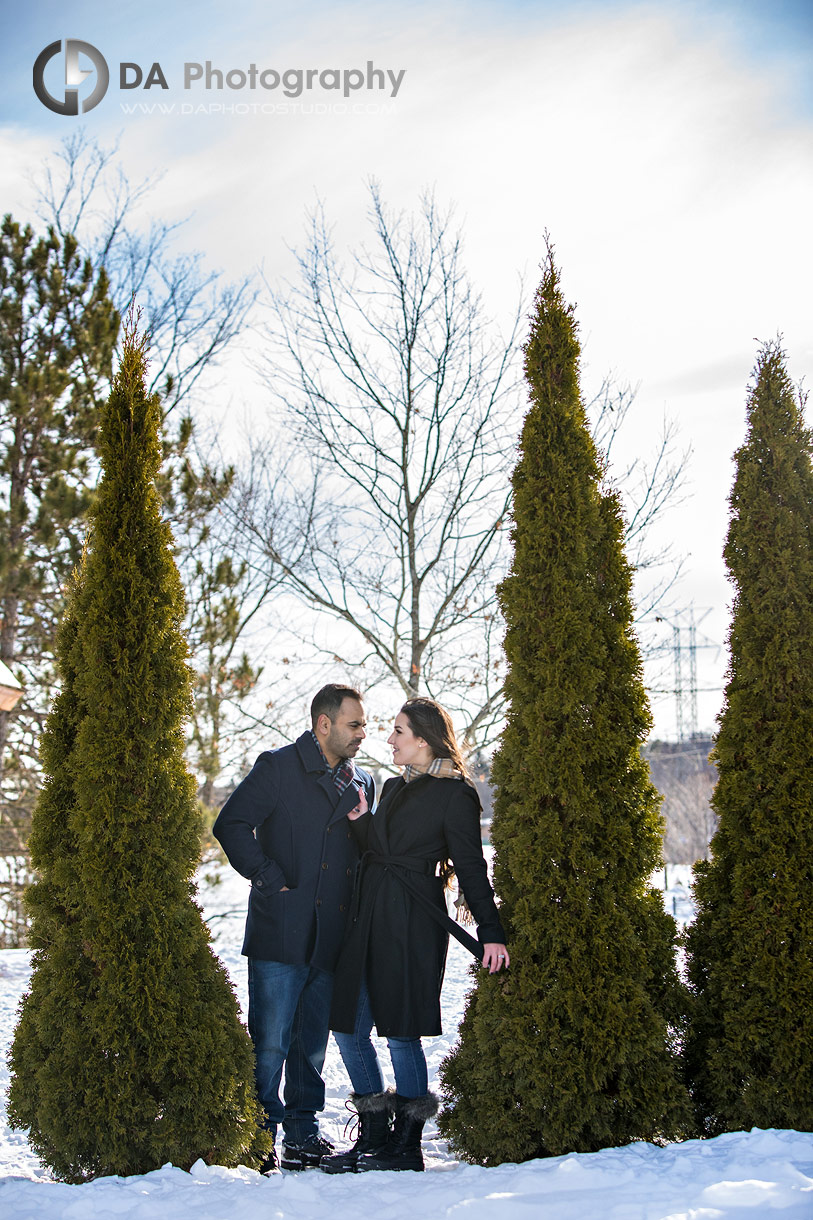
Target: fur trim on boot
374	1112
371	1103
419	1109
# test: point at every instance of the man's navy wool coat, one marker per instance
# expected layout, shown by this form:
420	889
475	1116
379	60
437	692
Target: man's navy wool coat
286	824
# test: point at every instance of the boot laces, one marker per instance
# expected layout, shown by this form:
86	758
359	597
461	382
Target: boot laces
353	1123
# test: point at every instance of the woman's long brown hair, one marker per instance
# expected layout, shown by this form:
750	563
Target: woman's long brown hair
429	720
433	723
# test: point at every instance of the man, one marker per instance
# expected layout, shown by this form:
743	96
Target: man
285	828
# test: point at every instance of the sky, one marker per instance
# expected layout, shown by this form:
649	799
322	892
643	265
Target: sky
665	146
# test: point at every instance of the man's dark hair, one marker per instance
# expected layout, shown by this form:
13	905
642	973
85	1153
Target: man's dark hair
329	699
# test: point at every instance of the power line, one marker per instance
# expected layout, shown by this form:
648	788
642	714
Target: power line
684	659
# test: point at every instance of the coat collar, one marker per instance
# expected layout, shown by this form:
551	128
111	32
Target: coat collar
308	751
314	763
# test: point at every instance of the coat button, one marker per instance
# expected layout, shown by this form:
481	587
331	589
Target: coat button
318	902
325	866
258	882
341	906
329	829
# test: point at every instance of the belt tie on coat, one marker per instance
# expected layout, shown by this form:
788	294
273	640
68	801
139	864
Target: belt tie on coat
414	864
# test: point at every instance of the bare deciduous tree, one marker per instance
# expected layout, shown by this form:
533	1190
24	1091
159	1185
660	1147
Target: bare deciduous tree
403	397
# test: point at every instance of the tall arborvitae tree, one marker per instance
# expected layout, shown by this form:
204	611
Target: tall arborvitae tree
574	1048
129	1051
750	1049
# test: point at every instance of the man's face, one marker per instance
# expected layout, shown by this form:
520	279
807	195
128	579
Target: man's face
346	731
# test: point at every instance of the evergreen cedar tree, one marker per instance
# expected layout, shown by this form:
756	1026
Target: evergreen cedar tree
129	1051
750	1046
575	1047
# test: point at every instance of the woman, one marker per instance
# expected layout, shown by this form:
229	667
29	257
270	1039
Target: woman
391	967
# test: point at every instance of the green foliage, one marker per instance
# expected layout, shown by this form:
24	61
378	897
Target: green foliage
57	332
129	1052
750	1048
574	1049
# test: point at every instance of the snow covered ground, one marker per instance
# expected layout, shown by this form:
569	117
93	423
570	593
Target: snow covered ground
743	1176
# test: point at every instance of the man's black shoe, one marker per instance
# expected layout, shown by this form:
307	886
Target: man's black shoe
270	1164
306	1155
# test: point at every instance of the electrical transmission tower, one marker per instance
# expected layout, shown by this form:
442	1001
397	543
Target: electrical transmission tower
684	658
684	636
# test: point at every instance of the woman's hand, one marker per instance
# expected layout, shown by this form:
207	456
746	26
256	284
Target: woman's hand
495	957
361	808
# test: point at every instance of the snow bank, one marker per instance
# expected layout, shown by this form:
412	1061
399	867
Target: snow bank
738	1177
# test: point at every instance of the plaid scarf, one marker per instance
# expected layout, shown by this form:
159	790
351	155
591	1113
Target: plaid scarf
342	774
443	768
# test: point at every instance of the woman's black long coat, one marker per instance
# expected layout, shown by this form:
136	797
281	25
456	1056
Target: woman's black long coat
393	938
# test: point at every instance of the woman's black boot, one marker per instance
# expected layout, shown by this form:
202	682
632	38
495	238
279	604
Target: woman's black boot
403	1148
374	1112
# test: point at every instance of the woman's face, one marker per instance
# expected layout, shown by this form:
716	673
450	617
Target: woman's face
406	747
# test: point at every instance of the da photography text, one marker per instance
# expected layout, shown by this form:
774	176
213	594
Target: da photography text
292	82
72	76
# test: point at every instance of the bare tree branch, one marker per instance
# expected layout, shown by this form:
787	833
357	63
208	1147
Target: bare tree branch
648	486
403	399
191	314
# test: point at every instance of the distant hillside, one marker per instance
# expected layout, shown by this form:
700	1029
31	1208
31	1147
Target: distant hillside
684	776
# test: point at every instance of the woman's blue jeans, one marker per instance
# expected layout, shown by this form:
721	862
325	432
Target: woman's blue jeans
361	1061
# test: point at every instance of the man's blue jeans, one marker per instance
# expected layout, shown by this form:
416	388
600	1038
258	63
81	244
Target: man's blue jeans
288	1013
